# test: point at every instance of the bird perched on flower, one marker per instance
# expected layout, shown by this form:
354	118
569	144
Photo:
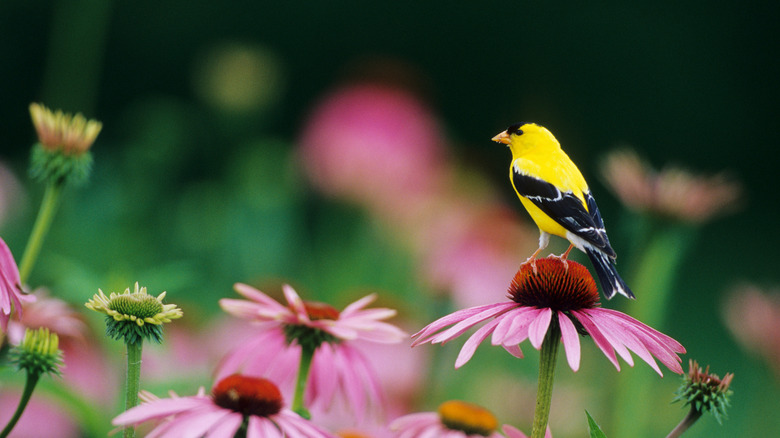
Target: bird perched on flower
557	197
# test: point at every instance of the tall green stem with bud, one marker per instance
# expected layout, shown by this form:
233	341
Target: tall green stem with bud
51	198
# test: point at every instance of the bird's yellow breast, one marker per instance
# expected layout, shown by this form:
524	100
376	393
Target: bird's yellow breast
544	222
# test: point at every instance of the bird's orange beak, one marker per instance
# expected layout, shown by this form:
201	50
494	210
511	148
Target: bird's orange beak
502	138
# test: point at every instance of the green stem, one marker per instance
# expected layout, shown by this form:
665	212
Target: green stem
134	350
547	357
686	422
307	354
29	386
653	281
41	227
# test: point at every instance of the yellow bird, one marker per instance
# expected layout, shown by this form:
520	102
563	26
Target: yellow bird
557	197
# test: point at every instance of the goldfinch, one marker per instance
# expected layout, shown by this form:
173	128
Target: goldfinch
557	197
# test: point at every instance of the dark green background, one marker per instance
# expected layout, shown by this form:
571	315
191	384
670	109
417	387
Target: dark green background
692	83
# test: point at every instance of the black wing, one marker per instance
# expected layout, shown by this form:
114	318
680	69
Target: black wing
566	209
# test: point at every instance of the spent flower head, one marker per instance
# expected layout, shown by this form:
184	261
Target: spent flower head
38	353
704	391
236	402
64	140
555	294
135	315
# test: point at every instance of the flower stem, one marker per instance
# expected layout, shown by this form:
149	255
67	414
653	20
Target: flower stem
49	204
307	354
686	422
133	382
547	357
653	280
29	386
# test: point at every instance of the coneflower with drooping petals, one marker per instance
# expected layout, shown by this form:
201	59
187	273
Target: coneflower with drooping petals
288	334
236	403
564	295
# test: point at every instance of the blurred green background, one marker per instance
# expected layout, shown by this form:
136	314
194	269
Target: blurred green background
191	193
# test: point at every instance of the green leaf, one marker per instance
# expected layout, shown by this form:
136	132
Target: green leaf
595	430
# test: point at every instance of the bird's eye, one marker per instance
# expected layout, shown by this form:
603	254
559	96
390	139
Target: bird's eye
515	129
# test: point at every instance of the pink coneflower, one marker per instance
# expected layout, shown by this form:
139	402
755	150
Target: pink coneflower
11	296
453	419
562	296
289	333
374	144
672	192
236	401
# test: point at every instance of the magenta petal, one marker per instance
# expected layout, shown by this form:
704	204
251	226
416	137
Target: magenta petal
296	303
514	350
629	336
225	428
607	329
261	427
444	321
473	342
161	409
461	327
571	341
598	338
357	305
521	319
538	327
197	423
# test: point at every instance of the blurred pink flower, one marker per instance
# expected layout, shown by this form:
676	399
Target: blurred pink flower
569	293
374	144
183	344
470	249
219	415
338	367
40	418
453	419
11	296
753	316
672	192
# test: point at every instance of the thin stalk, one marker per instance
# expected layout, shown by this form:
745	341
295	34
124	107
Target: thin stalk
653	281
41	227
133	381
686	422
547	356
29	386
307	354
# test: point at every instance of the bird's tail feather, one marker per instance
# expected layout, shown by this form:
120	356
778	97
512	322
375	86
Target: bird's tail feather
609	278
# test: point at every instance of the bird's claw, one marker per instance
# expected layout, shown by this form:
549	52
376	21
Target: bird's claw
563	259
532	261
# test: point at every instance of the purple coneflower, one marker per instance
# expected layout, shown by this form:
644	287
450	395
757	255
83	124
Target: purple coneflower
314	341
453	419
236	402
11	296
556	300
555	296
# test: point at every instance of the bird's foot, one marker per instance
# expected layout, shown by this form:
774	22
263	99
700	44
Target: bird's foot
532	261
563	259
